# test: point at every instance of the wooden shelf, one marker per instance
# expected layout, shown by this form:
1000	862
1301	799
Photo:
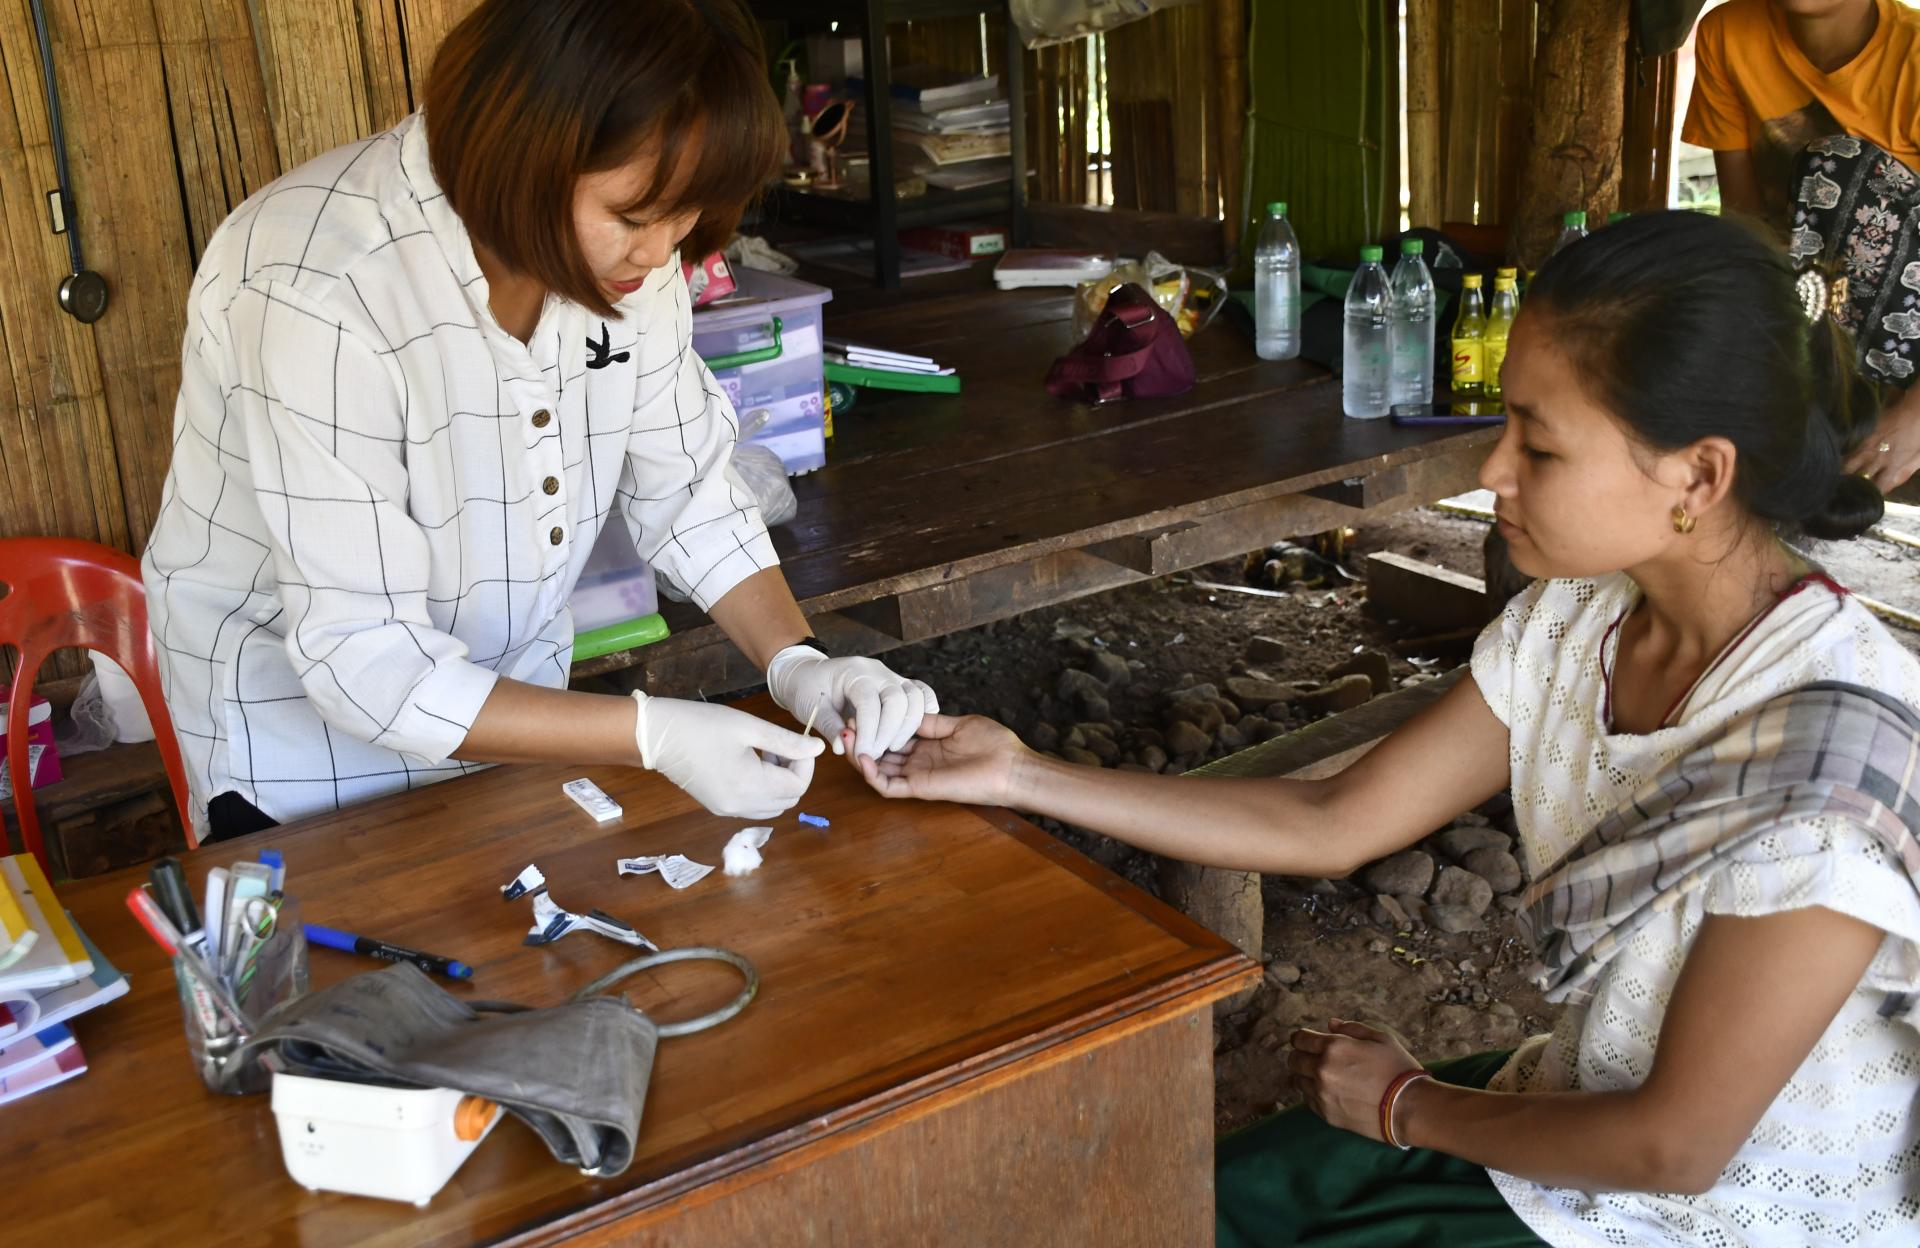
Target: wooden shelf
883	215
934	206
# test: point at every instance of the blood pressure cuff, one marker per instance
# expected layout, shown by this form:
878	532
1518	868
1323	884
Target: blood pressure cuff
577	1073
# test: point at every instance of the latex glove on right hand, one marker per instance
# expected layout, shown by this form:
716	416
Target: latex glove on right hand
885	708
716	754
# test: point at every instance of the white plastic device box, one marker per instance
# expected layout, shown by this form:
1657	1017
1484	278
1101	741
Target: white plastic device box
791	387
365	1140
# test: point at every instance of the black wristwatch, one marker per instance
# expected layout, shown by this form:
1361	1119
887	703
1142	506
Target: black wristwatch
816	643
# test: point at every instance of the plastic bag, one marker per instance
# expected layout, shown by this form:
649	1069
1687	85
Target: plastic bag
89	725
125	711
762	472
1043	22
1192	297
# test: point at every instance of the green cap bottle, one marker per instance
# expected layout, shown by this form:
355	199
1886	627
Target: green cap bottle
1575	220
1278	208
1370	254
1411	247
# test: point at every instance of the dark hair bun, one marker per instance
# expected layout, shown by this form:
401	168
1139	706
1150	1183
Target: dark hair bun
1854	507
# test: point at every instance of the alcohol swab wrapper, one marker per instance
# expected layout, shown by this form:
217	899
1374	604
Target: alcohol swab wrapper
742	854
528	881
678	870
550	923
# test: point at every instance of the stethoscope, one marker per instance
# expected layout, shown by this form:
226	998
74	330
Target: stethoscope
83	293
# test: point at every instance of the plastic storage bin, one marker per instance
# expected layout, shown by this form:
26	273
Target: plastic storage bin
615	604
763	344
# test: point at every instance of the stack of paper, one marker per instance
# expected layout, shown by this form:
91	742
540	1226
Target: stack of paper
852	353
955	131
51	973
878	369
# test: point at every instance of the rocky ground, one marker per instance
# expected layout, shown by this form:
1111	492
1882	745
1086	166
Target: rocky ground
1168	675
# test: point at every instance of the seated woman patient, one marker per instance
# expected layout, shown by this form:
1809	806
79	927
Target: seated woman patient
421	373
1714	758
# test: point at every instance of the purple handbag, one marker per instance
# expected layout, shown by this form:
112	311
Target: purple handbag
1134	351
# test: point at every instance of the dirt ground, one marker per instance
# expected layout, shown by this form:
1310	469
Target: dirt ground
1448	981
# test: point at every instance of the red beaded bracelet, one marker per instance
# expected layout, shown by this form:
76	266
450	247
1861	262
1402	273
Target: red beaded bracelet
1390	1098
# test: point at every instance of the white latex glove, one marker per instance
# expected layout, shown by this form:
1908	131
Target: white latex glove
716	754
886	707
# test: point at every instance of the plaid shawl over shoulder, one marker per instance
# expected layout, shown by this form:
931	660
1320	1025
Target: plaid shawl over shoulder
1827	750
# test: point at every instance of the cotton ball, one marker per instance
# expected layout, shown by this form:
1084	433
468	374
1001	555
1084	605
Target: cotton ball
742	854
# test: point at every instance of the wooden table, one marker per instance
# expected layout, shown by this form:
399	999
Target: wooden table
966	1034
937	513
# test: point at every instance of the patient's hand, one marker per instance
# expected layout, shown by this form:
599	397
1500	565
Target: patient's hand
970	759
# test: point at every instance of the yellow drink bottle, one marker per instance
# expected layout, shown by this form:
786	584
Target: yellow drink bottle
1499	325
1469	341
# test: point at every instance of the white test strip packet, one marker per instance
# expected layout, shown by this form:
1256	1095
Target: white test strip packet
678	870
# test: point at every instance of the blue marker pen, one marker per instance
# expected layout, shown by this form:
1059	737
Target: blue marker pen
347	942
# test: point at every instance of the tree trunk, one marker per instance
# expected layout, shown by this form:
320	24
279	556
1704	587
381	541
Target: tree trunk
1227	903
1574	143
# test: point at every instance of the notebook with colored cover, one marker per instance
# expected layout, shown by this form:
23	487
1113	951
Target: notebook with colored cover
37	1047
104	984
44	1073
17	936
57	957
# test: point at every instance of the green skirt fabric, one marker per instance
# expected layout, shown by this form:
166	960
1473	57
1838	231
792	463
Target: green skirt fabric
1293	1180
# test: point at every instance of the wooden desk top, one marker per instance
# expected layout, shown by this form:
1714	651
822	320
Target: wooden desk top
905	950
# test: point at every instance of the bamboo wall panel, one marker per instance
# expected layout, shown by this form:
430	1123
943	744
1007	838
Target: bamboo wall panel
56	437
315	77
1485	58
175	112
218	102
1168	58
1057	106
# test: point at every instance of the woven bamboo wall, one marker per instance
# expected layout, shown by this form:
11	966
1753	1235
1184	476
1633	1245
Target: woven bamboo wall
175	111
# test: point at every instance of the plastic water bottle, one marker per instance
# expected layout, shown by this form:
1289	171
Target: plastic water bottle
1365	367
1276	288
1412	330
1573	228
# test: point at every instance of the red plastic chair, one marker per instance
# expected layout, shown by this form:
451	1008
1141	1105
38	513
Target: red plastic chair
57	592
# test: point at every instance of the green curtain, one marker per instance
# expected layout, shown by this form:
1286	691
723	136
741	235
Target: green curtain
1319	127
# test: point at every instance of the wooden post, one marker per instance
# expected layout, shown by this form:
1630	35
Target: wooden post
1574	143
1230	50
1423	112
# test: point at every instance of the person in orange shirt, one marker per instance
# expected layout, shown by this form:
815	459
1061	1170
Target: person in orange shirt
1812	109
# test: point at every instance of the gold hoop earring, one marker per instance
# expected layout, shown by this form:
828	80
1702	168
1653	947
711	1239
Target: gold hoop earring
1682	522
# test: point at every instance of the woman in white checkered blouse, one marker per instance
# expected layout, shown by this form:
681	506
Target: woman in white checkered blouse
1713	753
420	373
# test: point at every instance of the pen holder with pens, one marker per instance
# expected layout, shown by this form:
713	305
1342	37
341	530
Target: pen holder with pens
268	969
